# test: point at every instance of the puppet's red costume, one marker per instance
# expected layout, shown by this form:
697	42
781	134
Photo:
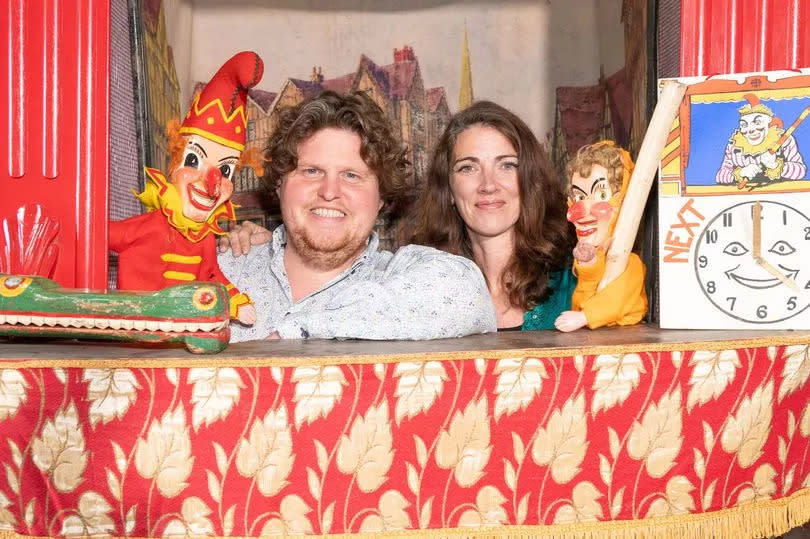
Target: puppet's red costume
164	246
157	251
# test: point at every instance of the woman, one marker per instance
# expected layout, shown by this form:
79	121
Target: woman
491	195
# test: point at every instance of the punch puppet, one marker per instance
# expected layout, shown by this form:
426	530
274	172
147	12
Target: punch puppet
174	242
598	178
760	151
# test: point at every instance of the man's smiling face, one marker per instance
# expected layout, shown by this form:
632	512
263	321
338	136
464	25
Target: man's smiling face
329	203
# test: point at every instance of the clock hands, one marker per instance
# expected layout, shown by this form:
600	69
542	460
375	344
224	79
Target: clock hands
756	215
790	283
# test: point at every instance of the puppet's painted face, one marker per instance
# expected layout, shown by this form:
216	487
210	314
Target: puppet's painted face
590	209
204	176
754	126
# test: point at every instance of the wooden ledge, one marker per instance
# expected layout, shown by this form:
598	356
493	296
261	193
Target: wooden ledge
643	338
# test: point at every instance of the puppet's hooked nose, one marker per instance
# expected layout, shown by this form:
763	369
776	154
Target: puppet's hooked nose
213	177
576	212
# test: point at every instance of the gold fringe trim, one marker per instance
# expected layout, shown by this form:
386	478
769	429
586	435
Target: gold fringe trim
756	519
184	359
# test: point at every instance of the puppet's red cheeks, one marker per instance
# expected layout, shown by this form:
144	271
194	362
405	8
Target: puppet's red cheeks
601	210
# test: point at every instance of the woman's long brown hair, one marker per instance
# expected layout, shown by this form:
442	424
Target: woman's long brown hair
543	237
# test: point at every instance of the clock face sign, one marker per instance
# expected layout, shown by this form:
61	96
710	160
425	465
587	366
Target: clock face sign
735	282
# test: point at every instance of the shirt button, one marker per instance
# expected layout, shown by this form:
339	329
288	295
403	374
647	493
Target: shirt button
534	316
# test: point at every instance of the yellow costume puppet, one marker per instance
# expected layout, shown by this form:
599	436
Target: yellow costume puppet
598	179
174	242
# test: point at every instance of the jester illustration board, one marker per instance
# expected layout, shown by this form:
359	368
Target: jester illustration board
734	205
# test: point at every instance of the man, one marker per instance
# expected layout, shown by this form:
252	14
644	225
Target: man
758	151
334	163
598	178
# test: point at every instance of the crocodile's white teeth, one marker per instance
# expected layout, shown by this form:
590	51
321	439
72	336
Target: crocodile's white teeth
113	323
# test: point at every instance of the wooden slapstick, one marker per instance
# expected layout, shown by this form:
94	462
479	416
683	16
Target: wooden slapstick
640	182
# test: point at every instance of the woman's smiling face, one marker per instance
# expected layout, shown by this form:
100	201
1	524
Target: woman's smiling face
484	181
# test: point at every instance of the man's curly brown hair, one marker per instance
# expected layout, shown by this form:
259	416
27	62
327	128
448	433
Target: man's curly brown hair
379	147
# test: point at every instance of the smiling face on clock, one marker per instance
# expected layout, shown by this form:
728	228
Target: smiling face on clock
733	280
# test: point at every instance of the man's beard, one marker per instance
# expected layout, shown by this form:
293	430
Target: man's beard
322	254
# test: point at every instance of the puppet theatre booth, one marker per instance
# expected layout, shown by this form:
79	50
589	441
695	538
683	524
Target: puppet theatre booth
695	423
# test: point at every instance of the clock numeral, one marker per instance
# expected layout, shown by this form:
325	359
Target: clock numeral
807	286
791	303
784	217
711	287
703	261
727	219
732	300
807	232
762	311
711	236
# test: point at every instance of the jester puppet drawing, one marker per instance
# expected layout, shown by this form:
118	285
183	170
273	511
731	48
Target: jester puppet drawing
760	151
598	178
175	241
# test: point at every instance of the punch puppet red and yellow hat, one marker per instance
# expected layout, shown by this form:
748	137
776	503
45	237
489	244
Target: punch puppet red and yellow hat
219	113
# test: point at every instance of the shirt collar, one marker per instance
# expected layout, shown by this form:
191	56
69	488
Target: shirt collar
279	238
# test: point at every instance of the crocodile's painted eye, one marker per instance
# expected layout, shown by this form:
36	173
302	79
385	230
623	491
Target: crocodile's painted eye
13	285
205	298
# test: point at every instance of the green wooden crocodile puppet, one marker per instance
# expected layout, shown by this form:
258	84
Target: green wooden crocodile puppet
195	314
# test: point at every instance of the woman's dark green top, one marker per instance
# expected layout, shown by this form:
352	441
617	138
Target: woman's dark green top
562	284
